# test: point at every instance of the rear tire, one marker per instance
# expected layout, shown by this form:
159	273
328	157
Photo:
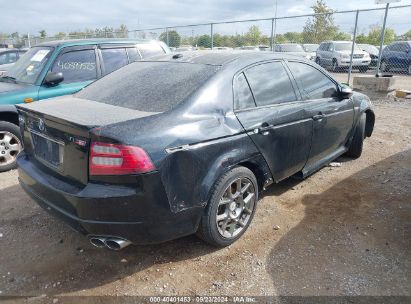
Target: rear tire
229	214
355	149
10	145
363	69
334	66
384	66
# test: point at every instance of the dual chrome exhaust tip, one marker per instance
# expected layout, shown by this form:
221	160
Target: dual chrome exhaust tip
109	242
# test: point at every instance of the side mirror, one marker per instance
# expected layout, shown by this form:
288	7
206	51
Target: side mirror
53	78
345	91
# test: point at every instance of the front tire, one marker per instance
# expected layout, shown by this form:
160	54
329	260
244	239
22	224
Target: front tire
384	66
409	69
231	208
318	61
355	149
363	69
10	145
335	67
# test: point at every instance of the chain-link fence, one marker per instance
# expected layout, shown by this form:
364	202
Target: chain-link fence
326	38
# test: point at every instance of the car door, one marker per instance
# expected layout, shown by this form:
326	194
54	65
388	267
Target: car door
402	55
79	66
393	55
332	116
270	109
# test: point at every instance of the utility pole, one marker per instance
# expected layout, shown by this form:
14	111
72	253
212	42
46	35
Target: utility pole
387	2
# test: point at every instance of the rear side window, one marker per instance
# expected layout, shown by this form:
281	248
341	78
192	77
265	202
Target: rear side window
149	86
150	50
76	66
133	54
270	84
113	59
243	98
314	83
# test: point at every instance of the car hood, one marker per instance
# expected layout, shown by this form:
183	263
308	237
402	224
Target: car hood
10	86
355	52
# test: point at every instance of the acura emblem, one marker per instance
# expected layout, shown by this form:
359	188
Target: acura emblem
41	125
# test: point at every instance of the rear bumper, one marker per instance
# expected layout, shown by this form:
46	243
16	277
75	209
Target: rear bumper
139	213
355	62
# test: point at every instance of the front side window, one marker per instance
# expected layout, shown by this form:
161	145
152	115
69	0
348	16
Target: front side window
313	82
113	59
150	50
30	65
270	84
243	98
76	66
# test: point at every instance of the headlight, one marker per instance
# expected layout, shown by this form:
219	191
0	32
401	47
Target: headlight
345	56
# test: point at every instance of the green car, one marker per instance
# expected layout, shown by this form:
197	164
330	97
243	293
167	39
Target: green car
59	68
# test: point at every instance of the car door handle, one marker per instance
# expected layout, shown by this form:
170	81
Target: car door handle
264	129
319	116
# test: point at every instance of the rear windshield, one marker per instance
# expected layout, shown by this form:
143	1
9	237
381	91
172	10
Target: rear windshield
149	86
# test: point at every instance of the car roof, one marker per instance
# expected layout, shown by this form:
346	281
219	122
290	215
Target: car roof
72	42
220	58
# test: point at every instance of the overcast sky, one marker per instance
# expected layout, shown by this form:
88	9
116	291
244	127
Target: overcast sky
69	15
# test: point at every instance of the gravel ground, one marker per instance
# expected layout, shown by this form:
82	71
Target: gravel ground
343	231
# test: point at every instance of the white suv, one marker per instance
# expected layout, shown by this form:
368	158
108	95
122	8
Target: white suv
337	55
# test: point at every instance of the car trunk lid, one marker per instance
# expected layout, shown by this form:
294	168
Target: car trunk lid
57	132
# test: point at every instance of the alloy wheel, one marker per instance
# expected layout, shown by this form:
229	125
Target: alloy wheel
10	147
235	207
383	66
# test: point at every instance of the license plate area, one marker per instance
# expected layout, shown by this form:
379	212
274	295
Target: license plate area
48	150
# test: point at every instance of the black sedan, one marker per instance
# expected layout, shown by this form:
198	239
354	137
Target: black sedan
184	143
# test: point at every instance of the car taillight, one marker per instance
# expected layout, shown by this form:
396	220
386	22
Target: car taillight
114	159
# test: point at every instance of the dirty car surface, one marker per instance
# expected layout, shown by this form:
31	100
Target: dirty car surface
183	144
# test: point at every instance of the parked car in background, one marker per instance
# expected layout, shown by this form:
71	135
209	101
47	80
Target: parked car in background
311	49
58	68
8	57
397	55
372	50
292	49
337	55
189	143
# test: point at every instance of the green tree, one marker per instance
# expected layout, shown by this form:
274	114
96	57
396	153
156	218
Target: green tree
374	35
43	34
253	36
293	37
121	32
342	36
174	39
321	27
204	41
60	35
406	36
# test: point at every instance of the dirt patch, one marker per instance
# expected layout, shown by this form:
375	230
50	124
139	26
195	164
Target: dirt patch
343	231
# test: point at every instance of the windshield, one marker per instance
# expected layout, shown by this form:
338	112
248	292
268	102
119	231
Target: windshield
30	65
291	48
310	47
149	86
345	46
369	48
